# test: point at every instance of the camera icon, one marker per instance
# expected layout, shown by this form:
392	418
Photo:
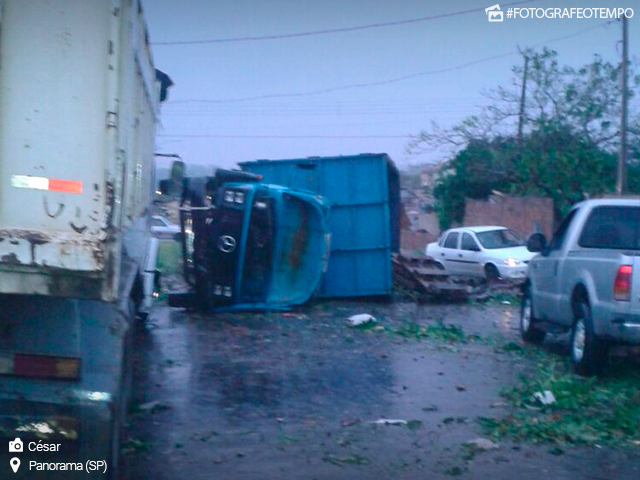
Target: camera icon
16	446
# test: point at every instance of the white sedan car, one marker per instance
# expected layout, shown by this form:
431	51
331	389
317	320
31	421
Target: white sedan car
489	252
163	228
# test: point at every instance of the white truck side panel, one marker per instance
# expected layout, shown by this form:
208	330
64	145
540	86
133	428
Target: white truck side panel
78	104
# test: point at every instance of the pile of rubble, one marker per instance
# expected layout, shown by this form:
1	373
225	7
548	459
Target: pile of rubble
427	279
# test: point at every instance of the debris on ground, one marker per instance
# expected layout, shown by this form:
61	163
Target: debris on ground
150	407
425	276
422	277
351	459
478	445
482	444
349	422
545	398
389	421
361	319
611	402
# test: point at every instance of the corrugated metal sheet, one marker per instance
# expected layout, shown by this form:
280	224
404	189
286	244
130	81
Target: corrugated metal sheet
363	192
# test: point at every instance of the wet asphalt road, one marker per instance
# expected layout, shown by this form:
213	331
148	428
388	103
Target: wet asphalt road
292	395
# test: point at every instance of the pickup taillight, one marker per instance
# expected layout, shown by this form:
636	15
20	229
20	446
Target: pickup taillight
622	284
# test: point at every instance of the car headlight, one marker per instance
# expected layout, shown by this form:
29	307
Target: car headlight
511	262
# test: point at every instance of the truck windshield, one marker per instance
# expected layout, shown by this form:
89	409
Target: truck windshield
612	227
499	239
258	263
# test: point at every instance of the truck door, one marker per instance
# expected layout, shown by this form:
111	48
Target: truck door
545	270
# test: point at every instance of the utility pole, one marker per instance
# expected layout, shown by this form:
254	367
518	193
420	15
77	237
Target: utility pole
621	177
523	97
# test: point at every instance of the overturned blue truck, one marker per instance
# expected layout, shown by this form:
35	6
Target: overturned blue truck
248	245
278	232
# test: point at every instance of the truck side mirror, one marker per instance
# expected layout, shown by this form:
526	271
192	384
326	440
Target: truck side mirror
537	243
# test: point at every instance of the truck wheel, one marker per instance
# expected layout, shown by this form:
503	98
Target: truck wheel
589	354
528	330
491	273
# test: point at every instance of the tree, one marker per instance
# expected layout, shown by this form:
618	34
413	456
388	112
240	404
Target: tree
568	152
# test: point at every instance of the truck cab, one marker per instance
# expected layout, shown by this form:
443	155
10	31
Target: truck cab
248	245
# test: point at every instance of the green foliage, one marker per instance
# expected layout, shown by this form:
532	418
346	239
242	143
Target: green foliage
550	162
568	149
439	332
170	257
586	410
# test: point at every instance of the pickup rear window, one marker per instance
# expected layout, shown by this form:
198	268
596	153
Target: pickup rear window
612	227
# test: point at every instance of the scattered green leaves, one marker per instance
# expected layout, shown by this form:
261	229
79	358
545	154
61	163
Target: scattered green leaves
438	332
586	410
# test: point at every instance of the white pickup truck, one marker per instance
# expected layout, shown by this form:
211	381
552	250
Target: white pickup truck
587	281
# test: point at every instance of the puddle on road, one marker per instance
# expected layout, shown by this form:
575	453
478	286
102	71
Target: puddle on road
265	386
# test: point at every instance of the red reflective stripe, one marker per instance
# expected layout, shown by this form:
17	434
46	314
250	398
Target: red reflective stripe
45	367
32	366
70	186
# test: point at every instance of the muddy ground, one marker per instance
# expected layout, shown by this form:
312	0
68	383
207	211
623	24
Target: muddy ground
293	395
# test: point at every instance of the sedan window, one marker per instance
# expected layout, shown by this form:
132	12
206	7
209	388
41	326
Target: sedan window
468	243
499	239
451	241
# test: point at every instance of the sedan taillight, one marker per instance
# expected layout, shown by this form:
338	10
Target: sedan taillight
622	284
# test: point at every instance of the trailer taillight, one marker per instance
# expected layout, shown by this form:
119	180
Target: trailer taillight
40	366
622	284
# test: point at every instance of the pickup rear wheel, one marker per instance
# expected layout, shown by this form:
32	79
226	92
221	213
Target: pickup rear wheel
528	330
589	354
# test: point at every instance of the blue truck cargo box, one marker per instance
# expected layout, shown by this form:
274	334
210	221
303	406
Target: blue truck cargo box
363	192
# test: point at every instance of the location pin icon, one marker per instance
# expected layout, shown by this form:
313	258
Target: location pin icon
15	464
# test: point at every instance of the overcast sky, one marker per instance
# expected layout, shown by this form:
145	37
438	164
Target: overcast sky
204	130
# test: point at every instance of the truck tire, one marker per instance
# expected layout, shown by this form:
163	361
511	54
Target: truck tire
589	354
528	330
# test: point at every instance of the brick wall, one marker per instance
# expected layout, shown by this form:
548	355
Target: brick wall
520	214
415	240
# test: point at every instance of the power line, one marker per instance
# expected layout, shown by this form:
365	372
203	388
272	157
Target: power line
332	30
391	80
287	136
305	112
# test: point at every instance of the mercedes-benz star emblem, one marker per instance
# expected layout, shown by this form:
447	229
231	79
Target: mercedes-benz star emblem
227	243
